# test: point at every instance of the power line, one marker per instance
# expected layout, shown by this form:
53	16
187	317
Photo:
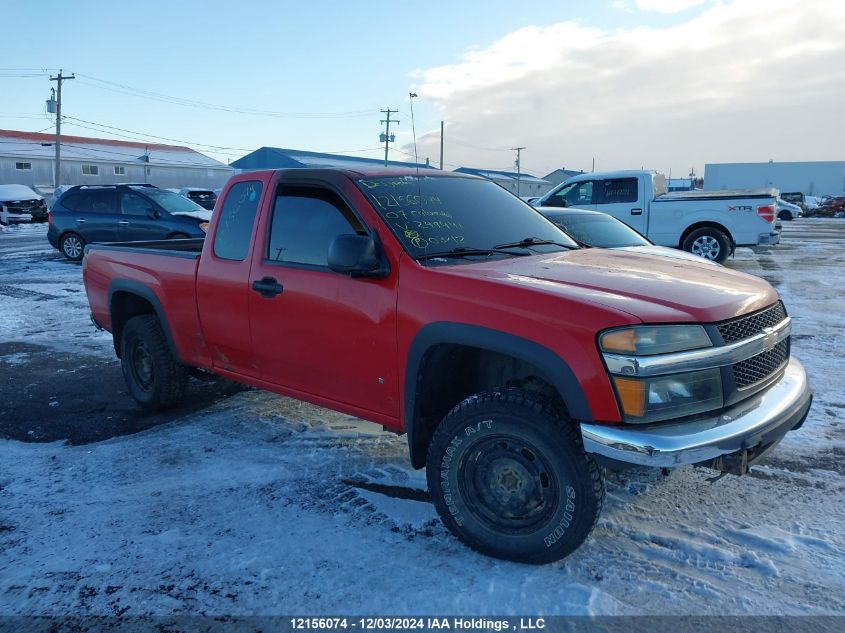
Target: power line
157	96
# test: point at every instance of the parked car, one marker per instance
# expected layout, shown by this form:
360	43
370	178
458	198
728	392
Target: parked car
518	365
600	230
707	223
206	198
19	204
788	211
121	213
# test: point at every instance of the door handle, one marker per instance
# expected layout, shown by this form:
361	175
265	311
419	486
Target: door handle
123	222
636	211
80	220
267	287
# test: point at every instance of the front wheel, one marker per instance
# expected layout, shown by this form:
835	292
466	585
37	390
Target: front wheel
510	478
786	216
708	243
154	376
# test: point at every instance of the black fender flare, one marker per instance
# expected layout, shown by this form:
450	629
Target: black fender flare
144	292
555	370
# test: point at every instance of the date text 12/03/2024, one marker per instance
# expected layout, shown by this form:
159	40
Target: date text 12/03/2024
416	624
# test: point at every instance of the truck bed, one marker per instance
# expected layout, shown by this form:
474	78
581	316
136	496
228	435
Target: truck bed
727	194
191	247
161	272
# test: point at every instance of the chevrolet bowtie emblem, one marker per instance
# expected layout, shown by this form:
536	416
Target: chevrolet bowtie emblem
770	339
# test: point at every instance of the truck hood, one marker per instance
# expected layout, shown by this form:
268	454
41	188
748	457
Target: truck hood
12	193
653	289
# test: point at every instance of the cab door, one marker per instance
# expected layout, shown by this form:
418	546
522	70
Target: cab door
223	287
623	198
315	331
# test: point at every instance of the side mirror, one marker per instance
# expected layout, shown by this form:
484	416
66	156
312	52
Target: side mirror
356	256
152	213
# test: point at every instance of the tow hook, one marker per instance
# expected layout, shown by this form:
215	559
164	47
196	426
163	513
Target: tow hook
732	464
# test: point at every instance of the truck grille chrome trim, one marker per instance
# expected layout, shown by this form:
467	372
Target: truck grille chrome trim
747	326
707	358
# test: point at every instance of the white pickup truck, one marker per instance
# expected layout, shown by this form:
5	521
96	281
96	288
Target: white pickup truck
707	223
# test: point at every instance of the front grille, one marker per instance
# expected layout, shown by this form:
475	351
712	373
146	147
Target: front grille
760	367
745	327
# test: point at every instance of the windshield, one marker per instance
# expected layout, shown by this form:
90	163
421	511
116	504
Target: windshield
171	202
599	230
437	215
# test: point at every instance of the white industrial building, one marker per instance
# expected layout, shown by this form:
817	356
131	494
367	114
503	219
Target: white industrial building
28	158
816	178
523	184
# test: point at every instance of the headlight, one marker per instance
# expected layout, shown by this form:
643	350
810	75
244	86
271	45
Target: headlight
661	397
667	397
204	227
646	340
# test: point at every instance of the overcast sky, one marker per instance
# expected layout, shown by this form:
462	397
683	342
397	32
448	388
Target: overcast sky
662	84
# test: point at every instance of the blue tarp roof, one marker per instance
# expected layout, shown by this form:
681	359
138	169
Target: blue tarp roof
280	158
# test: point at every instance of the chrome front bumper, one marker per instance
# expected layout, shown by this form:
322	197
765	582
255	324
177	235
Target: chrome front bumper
761	420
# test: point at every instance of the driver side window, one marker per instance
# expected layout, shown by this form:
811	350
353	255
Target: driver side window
572	195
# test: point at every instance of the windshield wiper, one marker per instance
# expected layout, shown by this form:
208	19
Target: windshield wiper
532	241
464	251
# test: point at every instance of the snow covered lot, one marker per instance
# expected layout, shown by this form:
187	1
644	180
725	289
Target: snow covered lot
258	504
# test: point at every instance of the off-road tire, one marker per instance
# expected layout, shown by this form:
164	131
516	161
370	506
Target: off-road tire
72	246
153	375
499	445
709	243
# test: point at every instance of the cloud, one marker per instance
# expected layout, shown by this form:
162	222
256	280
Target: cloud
747	80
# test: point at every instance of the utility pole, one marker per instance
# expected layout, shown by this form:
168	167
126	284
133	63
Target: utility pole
518	151
386	136
59	79
441	146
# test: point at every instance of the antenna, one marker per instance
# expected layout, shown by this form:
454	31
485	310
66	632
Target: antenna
411	97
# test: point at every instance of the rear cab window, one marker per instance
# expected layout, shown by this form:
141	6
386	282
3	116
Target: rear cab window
616	190
237	216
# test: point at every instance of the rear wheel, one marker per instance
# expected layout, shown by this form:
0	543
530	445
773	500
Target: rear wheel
72	246
155	378
510	478
709	243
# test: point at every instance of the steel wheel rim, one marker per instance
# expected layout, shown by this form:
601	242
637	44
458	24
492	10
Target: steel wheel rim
141	366
72	247
508	484
706	246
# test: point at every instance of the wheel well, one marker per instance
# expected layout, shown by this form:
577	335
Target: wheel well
701	225
450	372
124	306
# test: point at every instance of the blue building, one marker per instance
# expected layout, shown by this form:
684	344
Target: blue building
280	158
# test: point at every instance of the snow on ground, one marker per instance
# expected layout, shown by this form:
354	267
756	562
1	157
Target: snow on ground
264	505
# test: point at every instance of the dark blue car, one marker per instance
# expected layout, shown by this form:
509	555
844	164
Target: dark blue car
121	213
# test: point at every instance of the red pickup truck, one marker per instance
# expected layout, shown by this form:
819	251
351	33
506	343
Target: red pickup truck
519	365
